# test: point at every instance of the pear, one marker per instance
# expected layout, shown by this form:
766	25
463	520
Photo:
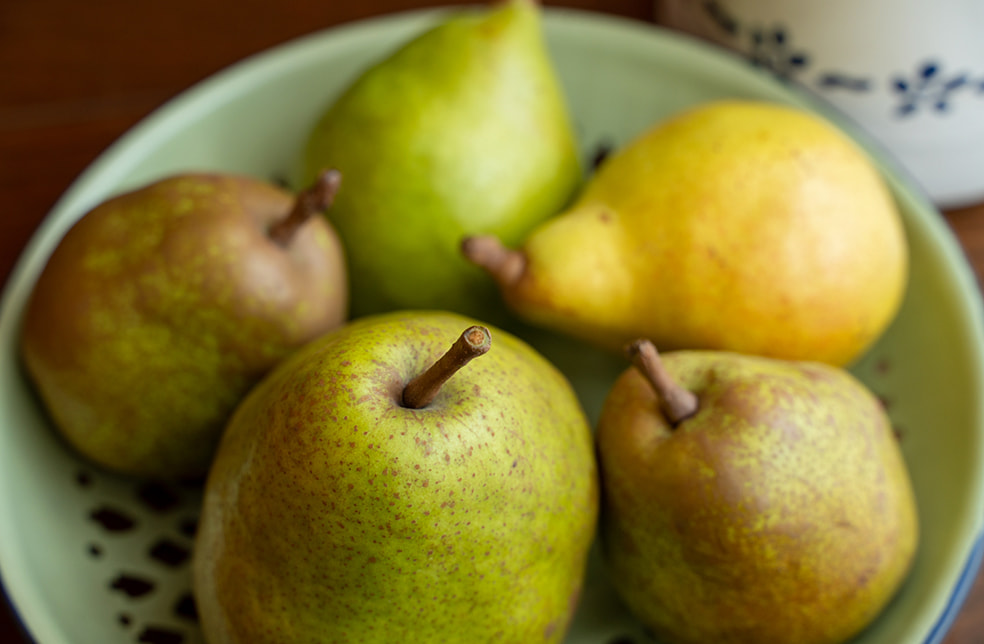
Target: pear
751	500
162	306
462	130
734	225
380	487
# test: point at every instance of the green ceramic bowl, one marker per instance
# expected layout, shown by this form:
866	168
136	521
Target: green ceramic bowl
88	557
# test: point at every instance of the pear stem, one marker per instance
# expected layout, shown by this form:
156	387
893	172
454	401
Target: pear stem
420	391
310	202
505	265
675	401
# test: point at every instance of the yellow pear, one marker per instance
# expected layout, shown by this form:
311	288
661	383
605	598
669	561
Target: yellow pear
735	225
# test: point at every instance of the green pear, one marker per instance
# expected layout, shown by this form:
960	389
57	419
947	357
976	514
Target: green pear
162	306
379	487
749	500
462	130
734	225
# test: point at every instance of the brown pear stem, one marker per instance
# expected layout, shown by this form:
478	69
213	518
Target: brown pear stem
505	265
315	199
676	402
420	391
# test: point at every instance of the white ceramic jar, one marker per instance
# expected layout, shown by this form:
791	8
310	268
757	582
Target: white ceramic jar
910	72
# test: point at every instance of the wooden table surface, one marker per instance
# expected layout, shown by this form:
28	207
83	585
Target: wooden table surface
75	75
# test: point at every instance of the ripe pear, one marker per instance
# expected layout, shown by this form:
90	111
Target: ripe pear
463	130
379	487
734	225
162	306
749	500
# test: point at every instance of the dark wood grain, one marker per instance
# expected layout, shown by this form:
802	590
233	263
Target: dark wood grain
74	76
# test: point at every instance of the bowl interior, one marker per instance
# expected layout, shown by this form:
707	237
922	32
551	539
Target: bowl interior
89	557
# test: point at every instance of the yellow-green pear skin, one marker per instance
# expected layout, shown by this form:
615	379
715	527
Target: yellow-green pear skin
161	307
335	514
780	513
734	225
463	130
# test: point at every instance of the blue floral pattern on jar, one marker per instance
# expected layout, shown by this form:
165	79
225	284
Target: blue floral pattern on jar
928	88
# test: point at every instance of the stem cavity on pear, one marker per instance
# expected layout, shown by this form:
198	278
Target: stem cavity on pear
315	199
505	265
675	401
420	391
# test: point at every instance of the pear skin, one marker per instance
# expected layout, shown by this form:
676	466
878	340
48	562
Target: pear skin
463	130
735	225
347	506
161	307
778	510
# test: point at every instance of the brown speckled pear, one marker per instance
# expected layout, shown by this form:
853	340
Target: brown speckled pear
161	307
339	511
734	225
751	500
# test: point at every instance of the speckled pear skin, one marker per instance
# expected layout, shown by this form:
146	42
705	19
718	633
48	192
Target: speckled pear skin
733	225
333	514
162	306
463	130
781	513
